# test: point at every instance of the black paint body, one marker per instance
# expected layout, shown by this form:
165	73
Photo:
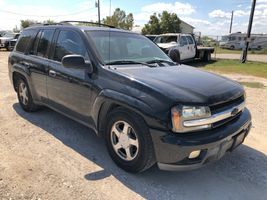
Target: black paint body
150	92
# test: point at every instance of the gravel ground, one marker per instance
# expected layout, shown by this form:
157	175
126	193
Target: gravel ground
45	155
251	57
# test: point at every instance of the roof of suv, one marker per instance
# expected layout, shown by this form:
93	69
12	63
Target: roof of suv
84	28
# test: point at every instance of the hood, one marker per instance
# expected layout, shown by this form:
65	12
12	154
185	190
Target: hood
5	38
184	84
167	45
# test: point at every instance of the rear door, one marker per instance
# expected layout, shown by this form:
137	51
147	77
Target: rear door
69	89
191	46
38	61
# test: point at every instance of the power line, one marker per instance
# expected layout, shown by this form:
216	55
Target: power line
21	14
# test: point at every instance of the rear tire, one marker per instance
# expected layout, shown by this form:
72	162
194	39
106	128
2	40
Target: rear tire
207	57
9	48
128	141
24	95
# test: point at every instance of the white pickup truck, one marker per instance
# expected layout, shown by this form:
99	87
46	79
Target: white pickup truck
185	44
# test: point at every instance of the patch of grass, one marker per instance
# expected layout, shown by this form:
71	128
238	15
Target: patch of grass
252	84
258	69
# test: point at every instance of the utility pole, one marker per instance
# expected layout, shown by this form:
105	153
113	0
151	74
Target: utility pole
97	4
231	24
245	50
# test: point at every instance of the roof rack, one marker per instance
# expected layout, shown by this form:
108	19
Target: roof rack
86	22
45	24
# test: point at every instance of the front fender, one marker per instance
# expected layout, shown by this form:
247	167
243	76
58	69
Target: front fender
107	98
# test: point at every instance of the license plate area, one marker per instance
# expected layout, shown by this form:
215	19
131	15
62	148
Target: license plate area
238	139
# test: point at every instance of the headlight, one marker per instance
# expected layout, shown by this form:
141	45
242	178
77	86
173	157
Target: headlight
180	114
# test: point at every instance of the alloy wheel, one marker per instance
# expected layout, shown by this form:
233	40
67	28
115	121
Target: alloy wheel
124	140
23	93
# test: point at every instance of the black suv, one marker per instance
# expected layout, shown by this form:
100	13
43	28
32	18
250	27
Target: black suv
148	108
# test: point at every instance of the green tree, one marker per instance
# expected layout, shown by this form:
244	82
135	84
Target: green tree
169	23
119	19
49	21
153	26
26	23
162	23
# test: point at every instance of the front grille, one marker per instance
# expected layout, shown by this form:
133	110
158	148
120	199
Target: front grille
226	105
222	122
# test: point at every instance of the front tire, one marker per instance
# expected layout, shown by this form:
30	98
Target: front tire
24	96
128	141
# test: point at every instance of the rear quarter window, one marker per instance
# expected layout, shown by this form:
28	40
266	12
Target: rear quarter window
24	40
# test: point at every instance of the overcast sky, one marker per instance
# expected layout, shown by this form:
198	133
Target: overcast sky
211	17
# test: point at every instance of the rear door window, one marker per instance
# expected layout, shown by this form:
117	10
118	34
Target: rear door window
24	40
44	42
190	40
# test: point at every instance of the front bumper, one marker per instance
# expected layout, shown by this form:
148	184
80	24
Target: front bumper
172	150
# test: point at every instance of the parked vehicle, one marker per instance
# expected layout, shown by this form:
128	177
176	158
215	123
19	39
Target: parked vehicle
11	43
259	43
148	108
236	41
185	44
151	37
4	40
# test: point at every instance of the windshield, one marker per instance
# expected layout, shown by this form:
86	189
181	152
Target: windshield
166	39
120	46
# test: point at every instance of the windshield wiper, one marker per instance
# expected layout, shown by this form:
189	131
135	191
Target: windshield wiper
160	61
125	62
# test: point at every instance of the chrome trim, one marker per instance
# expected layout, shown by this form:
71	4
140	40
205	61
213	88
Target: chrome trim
216	117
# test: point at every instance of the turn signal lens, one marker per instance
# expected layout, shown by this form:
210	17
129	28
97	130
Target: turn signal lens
175	119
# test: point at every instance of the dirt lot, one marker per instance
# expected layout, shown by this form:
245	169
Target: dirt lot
45	155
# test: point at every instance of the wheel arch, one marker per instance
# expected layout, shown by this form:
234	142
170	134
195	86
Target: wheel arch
109	100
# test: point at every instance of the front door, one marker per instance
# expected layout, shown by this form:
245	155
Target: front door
183	48
191	47
69	89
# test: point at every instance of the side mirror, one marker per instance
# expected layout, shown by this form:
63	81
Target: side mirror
174	55
76	61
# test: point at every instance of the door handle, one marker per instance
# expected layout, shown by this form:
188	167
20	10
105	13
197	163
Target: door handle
26	64
52	73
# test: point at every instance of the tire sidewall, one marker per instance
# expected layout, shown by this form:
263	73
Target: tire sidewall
138	163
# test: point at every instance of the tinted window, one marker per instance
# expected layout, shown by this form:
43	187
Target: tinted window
183	41
24	40
190	40
34	45
69	43
44	42
232	38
